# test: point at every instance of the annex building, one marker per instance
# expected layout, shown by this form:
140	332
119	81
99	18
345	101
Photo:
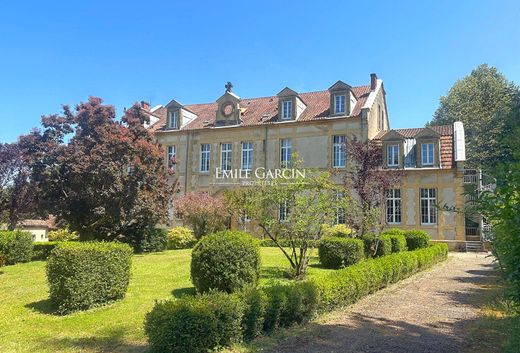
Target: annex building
245	134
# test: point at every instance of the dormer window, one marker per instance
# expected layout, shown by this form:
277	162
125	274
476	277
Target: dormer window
173	119
392	153
427	154
339	103
286	109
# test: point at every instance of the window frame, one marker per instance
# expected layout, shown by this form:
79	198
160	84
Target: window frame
339	151
173	123
283	211
205	156
171	152
336	96
247	154
287	109
428	154
428	203
286	153
229	156
340	213
394	203
391	147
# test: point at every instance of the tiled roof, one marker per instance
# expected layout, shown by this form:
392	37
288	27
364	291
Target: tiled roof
446	132
259	111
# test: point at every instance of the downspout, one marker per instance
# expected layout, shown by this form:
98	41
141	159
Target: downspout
187	159
265	149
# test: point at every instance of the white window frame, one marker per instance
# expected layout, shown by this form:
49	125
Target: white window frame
171	152
428	205
339	157
287	107
173	119
283	211
390	160
339	104
226	150
285	153
247	155
428	154
340	216
393	206
205	154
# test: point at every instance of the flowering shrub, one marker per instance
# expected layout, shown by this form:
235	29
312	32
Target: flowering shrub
205	214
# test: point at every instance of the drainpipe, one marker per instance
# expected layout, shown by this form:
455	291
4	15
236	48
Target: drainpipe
265	148
187	159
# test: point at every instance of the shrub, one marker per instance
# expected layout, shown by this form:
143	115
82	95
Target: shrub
226	261
417	239
181	238
152	240
42	250
398	242
338	230
195	324
393	231
63	234
83	275
381	245
16	246
337	252
255	304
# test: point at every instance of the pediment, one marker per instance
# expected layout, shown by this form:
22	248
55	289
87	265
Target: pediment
173	104
392	135
340	86
427	133
229	97
287	92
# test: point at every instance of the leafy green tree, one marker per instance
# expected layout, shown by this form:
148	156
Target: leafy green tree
483	101
289	213
105	178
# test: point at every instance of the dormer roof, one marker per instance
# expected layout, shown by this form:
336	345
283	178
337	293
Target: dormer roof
340	86
287	92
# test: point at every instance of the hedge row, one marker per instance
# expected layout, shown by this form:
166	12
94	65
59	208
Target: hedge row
208	321
15	246
42	250
335	252
83	275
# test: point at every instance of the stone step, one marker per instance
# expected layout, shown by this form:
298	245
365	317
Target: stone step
472	238
473	246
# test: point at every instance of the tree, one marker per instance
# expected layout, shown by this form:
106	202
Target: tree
290	213
482	101
368	183
105	178
18	195
206	214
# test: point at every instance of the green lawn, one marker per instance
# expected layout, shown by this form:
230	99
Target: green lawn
27	323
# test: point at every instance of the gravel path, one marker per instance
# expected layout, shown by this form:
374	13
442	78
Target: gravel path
425	313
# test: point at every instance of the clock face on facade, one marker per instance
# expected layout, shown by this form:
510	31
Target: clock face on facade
227	109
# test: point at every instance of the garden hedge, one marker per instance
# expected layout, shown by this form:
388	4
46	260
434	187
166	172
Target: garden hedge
152	240
84	275
205	322
383	243
42	250
15	246
335	252
227	261
416	239
398	242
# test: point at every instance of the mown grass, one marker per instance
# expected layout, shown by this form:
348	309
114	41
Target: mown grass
28	324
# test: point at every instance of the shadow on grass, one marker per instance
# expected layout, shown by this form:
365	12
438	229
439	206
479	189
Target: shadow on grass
43	306
273	272
113	340
181	292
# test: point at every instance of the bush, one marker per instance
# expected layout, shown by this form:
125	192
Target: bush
83	275
152	240
393	231
42	250
337	252
181	238
255	304
63	234
338	230
398	242
417	239
195	324
383	244
16	246
226	261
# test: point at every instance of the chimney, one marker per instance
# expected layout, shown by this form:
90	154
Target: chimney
145	105
373	82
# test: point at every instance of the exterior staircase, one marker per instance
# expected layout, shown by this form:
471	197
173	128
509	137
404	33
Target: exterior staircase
474	246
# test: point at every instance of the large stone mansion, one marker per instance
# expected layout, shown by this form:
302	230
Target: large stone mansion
249	133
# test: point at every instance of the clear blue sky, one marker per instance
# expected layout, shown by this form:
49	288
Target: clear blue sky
56	53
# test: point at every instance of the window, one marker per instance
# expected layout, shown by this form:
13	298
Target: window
173	119
283	211
247	155
204	157
338	152
340	215
287	110
339	103
172	153
225	156
285	153
392	155
393	206
427	154
428	206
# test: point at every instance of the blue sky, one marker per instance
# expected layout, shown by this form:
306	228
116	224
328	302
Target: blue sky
56	53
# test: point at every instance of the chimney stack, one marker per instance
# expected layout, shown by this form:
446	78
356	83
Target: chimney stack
145	105
373	82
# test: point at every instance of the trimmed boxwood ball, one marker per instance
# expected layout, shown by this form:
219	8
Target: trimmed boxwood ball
417	239
16	246
226	261
383	243
84	275
335	252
